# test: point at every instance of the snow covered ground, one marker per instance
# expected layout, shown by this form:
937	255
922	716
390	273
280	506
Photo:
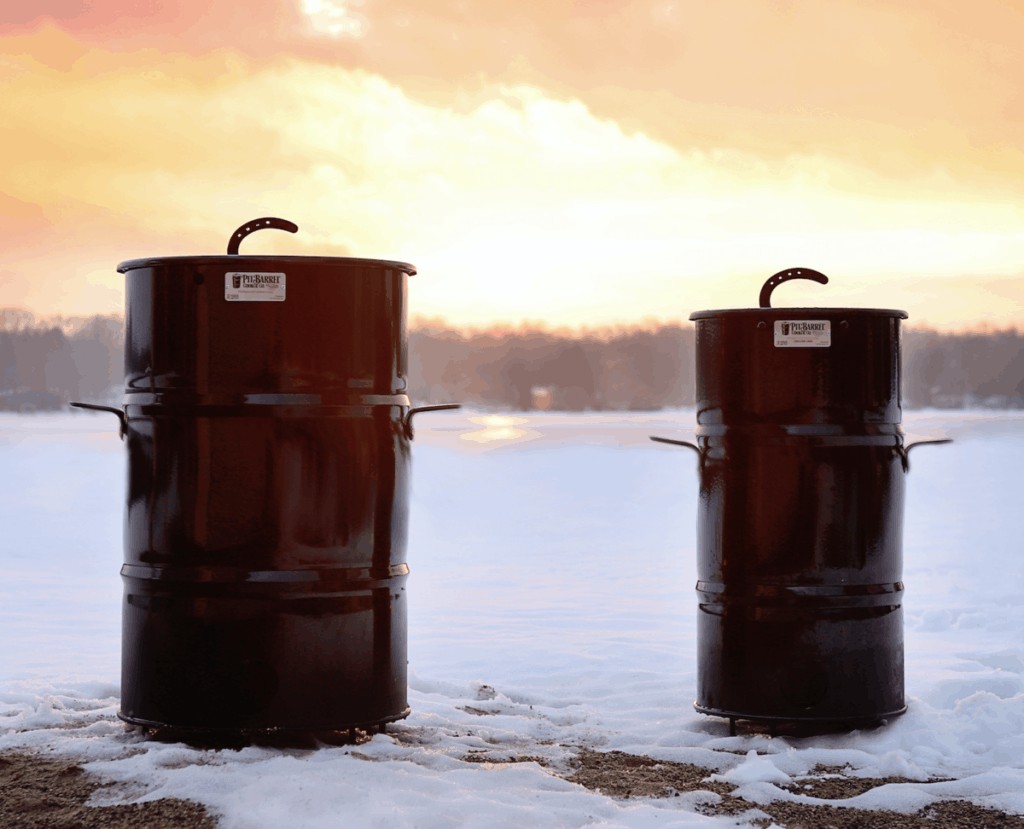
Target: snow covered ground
551	609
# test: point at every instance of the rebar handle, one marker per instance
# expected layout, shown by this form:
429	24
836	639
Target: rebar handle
904	451
122	417
258	224
689	444
407	420
784	276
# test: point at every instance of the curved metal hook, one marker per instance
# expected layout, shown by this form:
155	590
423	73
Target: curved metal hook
407	421
785	276
904	451
675	442
121	416
258	224
701	456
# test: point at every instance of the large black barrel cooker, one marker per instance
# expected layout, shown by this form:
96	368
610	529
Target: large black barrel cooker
268	432
800	519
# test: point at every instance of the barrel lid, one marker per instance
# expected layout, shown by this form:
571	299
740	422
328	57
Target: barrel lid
799	313
253	262
776	279
236	261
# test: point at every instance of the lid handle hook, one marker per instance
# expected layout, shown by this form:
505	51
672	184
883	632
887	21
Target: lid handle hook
258	224
784	276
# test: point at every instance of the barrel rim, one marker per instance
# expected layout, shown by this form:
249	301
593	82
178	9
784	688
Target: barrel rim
837	720
243	262
789	313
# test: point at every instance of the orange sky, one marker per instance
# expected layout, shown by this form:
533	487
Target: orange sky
570	163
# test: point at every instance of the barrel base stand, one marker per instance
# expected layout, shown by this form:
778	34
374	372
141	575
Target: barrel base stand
796	726
276	737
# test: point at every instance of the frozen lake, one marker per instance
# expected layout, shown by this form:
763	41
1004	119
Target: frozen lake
552	572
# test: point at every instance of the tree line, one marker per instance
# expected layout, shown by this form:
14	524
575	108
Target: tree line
653	368
45	363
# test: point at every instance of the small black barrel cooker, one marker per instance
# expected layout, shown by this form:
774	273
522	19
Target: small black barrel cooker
268	431
800	518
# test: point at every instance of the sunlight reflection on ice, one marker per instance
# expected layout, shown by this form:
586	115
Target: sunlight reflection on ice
497	427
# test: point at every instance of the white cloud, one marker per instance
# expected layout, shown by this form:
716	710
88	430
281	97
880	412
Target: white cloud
336	18
525	206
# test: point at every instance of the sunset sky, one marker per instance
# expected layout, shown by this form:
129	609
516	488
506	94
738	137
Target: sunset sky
567	163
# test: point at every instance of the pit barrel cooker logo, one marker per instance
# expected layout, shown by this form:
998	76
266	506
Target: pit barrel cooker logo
254	286
803	333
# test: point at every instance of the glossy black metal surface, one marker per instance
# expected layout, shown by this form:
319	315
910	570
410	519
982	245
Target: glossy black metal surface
265	537
802	465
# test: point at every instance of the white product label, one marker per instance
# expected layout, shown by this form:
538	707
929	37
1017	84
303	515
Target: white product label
254	286
803	333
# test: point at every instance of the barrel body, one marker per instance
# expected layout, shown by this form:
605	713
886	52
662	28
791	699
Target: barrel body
265	532
800	515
